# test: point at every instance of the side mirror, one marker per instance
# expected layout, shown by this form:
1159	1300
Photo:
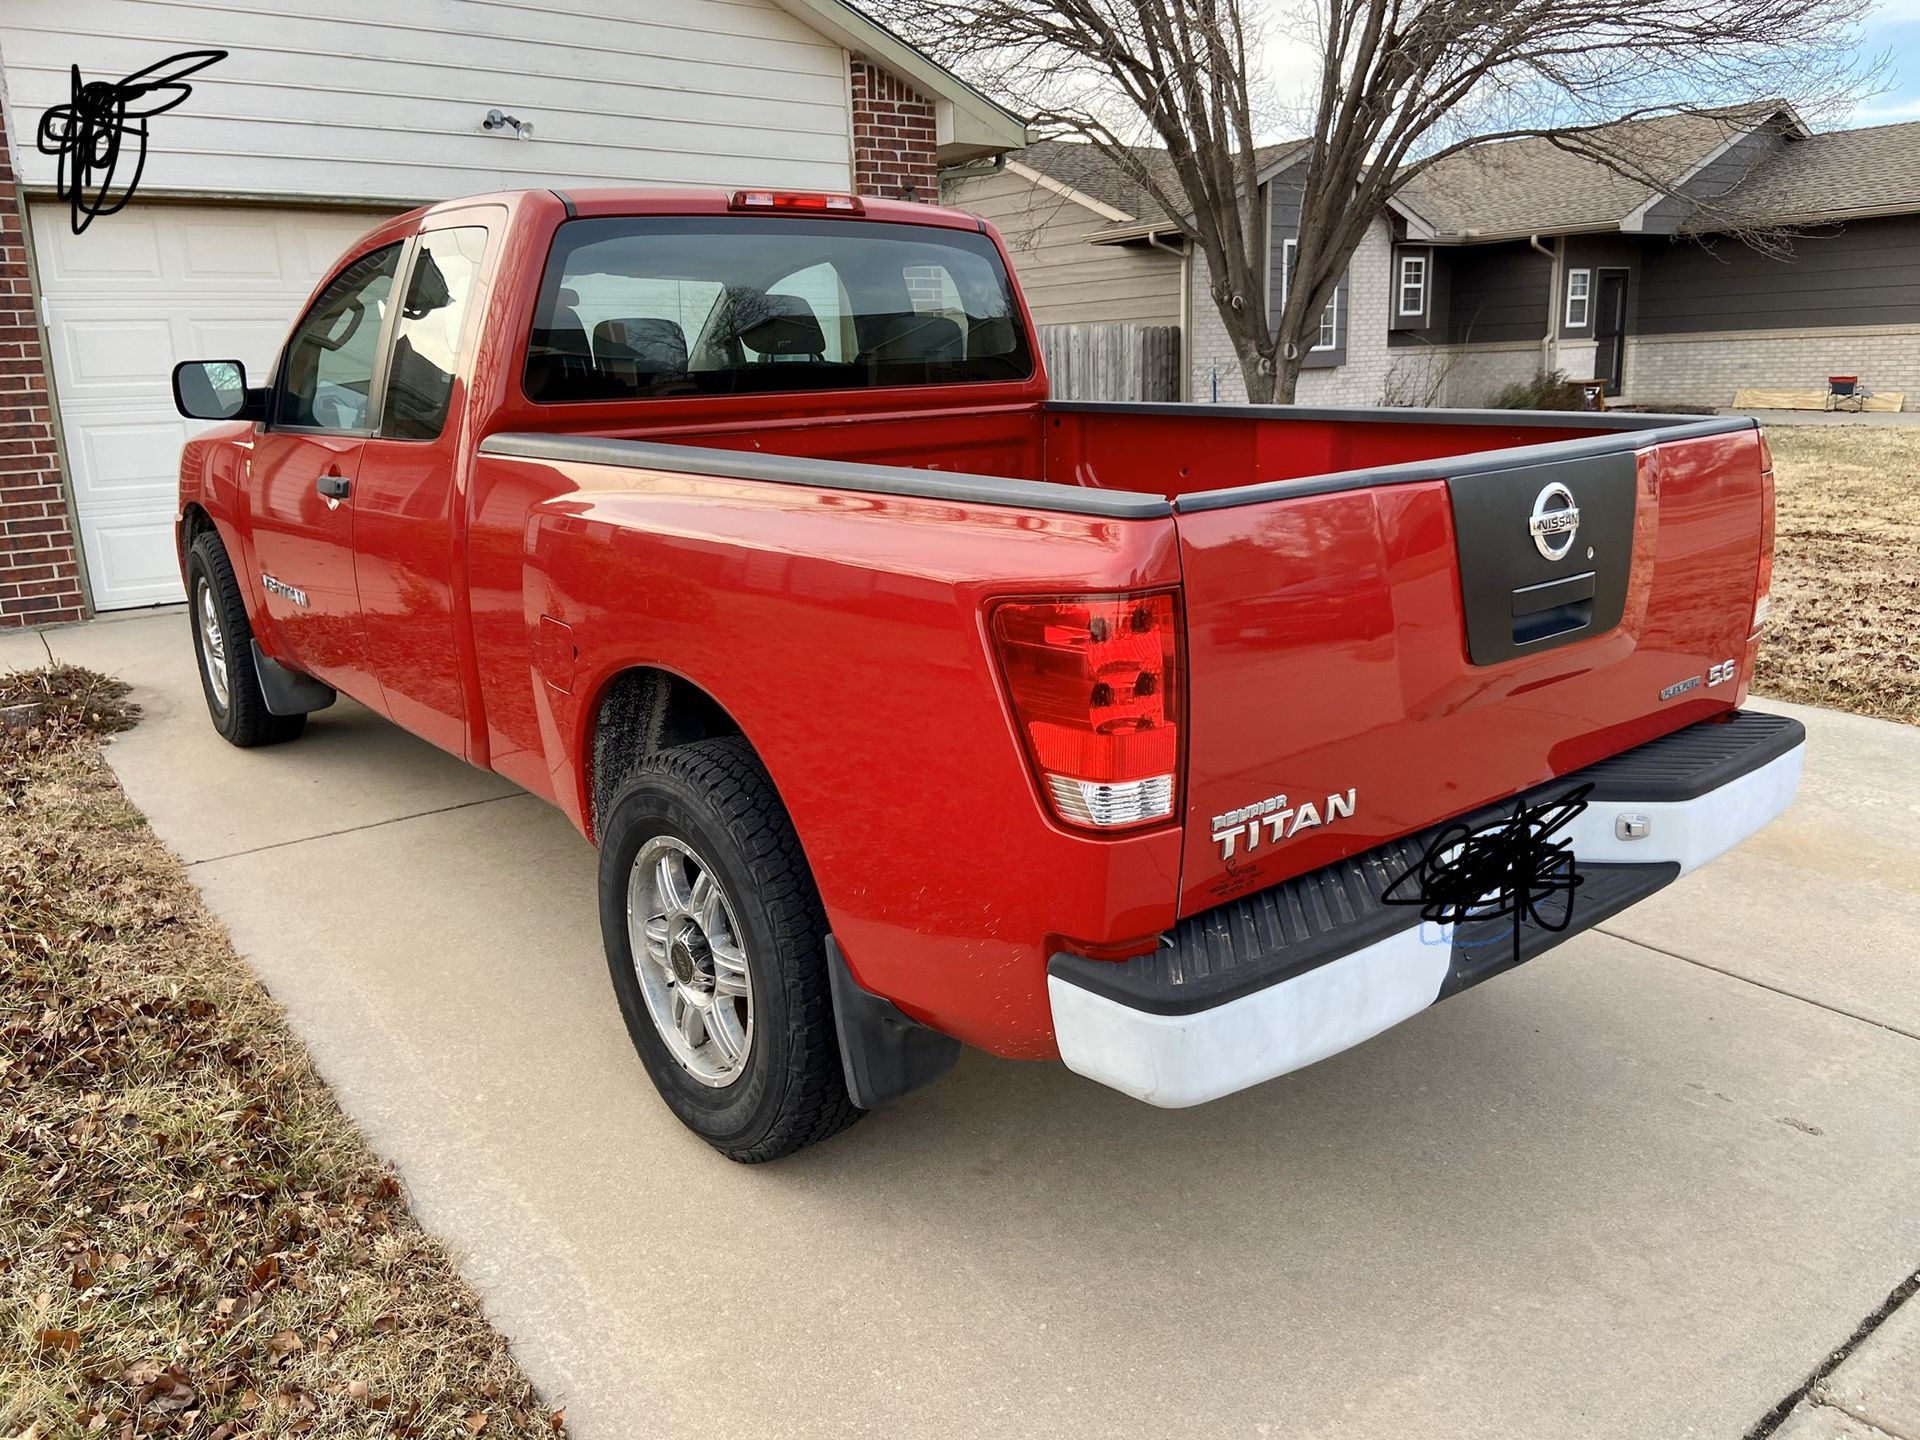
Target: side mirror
216	390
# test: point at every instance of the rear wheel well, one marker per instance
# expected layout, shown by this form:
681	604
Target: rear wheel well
642	712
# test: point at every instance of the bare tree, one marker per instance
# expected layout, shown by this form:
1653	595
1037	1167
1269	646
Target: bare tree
1400	86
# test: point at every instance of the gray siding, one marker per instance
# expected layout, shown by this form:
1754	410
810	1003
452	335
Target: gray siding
1283	199
1066	280
1714	180
1865	273
1497	293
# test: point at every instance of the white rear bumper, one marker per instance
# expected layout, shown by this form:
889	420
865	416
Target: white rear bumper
1174	1060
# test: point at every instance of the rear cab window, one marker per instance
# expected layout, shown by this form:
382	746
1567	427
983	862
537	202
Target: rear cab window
654	306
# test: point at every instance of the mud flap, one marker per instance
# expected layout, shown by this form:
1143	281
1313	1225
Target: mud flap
288	692
885	1054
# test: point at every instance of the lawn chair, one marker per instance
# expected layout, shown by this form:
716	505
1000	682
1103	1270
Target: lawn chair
1845	392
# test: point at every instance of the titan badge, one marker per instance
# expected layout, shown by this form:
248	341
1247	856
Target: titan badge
1282	821
280	587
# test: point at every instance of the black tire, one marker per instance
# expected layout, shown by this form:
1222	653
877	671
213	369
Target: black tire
715	796
243	718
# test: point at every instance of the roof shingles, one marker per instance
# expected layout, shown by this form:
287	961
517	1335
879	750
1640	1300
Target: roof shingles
1535	186
1088	169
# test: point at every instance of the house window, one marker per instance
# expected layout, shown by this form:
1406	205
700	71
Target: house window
1579	284
1329	337
1330	324
1413	285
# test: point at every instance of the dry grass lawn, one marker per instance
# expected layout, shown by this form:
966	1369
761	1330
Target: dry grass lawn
194	1240
1845	627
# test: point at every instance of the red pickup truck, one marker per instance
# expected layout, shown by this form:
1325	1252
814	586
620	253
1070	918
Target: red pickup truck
909	708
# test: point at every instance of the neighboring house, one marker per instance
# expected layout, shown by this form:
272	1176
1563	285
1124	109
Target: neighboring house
1656	292
1649	283
318	123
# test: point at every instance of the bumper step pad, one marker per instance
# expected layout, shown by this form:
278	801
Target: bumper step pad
1697	792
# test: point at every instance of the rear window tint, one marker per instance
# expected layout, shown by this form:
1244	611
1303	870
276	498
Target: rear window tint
639	307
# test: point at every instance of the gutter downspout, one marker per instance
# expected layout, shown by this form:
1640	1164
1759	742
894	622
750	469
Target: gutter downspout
1185	390
1550	342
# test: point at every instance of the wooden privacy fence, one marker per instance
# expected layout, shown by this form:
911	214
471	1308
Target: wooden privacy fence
1112	361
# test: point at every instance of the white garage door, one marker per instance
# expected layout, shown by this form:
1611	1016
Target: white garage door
138	291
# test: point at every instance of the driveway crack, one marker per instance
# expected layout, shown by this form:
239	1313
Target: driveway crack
353	829
1777	1416
1763	985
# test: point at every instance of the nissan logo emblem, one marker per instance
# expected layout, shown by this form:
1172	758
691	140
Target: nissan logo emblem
1555	521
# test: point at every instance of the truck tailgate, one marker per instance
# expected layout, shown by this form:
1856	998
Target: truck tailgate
1369	654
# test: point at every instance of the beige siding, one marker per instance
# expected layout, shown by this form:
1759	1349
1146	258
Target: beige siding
383	99
1068	281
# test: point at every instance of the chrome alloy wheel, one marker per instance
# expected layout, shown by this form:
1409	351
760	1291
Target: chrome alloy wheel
690	961
213	643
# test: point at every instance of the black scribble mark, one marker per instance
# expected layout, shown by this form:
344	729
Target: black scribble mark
1509	867
104	120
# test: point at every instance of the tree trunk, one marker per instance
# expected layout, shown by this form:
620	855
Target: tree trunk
1286	379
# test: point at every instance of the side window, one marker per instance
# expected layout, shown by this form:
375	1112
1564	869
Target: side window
426	348
328	378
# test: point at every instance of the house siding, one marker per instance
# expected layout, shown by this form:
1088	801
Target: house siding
1714	180
1066	280
1283	224
1866	273
1498	294
673	91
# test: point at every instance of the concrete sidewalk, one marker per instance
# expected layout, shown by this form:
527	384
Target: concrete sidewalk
1642	1187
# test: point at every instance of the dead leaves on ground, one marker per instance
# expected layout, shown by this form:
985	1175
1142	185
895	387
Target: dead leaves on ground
204	1245
1846	575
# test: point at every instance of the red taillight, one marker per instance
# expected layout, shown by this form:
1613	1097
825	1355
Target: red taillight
1763	589
809	201
1096	688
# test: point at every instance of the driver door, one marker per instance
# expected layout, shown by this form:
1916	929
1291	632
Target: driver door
306	459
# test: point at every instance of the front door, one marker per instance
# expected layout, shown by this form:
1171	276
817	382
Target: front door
1610	329
306	460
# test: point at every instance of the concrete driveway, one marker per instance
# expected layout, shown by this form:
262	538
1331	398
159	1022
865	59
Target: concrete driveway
1641	1187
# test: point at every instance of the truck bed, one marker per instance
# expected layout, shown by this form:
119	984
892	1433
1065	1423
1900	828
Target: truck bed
1199	456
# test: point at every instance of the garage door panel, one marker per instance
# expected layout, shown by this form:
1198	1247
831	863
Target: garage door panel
232	253
132	461
130	558
104	353
128	253
138	292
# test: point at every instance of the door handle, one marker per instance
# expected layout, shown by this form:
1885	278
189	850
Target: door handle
334	485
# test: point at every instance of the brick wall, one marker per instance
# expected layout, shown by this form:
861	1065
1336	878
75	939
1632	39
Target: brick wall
1706	369
39	568
893	138
1362	380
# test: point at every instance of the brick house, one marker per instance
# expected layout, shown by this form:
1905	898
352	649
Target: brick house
314	125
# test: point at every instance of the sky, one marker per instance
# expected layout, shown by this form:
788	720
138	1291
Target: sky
1891	31
1895	29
